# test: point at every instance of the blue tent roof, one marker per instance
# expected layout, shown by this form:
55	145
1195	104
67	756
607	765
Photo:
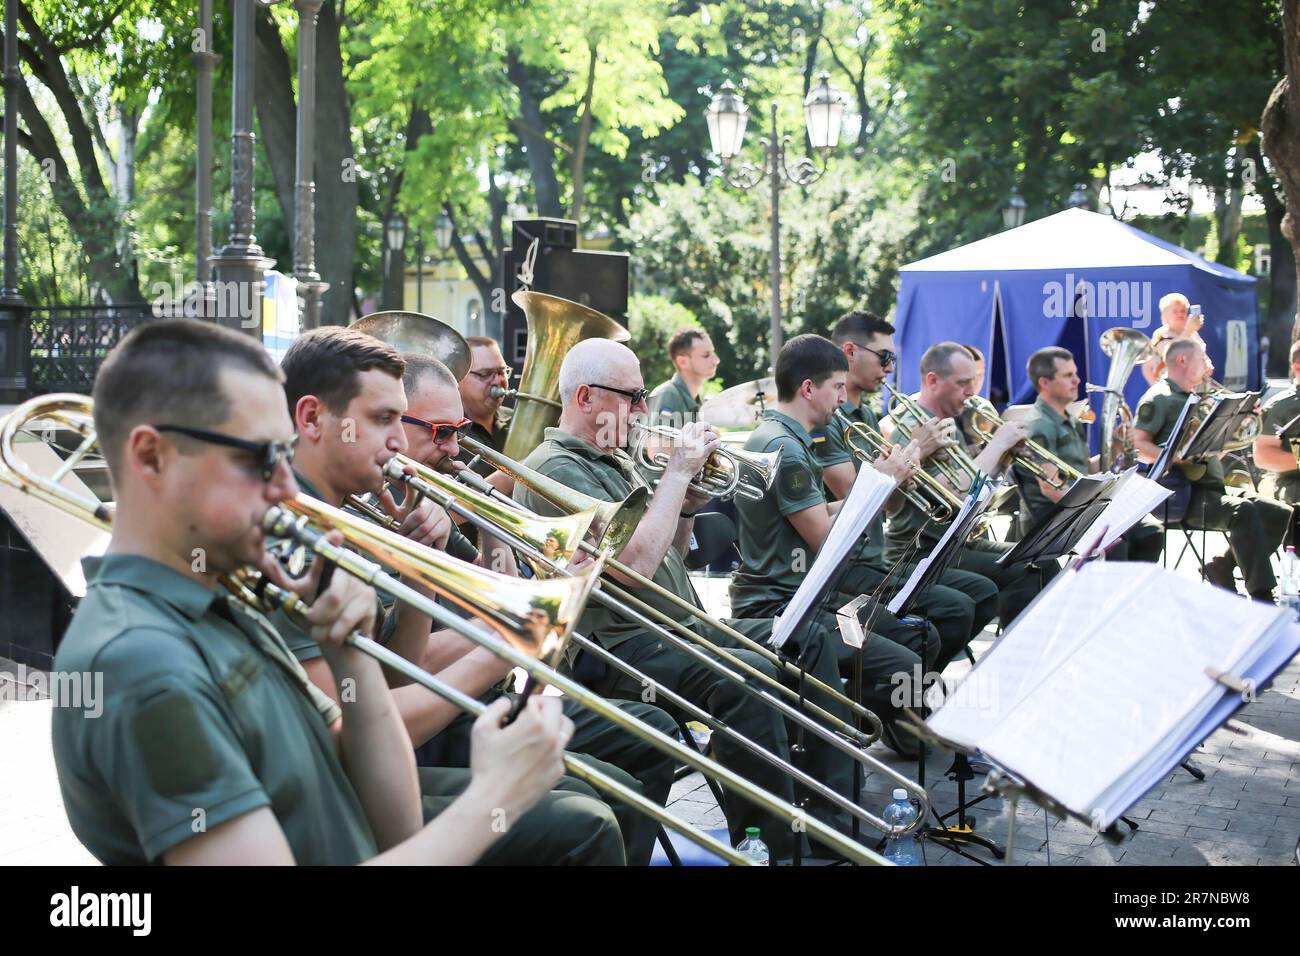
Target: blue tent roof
1064	280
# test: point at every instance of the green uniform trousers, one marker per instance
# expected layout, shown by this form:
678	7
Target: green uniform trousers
570	826
1017	584
628	759
1255	527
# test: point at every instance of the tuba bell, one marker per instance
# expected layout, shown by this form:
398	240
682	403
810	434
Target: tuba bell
555	325
1126	348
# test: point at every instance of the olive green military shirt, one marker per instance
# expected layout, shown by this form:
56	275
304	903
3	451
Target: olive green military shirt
494	439
832	448
609	476
773	555
672	404
1158	412
205	716
1061	437
1280	410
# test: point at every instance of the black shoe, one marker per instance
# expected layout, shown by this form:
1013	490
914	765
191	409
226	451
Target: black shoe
899	740
1218	571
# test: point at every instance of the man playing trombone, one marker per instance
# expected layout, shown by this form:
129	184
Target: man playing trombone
1056	379
1255	525
962	602
601	388
345	390
947	381
212	745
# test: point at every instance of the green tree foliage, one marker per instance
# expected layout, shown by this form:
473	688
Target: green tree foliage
652	320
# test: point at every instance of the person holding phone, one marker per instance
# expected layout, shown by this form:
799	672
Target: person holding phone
1179	319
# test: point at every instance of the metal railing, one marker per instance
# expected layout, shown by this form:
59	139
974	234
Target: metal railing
66	344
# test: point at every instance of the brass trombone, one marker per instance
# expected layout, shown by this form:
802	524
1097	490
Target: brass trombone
305	522
564	498
942	502
721	476
479	510
1032	456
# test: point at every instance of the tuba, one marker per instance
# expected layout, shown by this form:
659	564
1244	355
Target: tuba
555	325
1127	348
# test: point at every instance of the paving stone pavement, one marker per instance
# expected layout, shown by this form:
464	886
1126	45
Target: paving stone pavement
1245	812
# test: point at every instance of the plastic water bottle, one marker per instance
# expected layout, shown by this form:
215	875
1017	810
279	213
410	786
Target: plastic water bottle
901	851
754	848
1289	585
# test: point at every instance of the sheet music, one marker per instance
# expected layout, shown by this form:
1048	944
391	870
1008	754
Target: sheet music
1134	499
958	520
1130	690
1161	465
871	489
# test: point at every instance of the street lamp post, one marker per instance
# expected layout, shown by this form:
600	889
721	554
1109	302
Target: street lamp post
13	313
205	61
1013	213
310	288
727	117
394	242
419	270
1079	198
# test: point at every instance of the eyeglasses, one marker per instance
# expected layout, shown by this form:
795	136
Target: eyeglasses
268	454
487	374
887	358
442	431
636	398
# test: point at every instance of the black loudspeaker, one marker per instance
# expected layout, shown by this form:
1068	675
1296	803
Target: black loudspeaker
597	279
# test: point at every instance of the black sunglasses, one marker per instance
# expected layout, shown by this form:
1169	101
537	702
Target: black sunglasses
887	358
267	453
441	430
636	398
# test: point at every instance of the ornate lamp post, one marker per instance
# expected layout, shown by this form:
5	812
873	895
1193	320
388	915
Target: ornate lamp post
419	270
13	310
394	242
727	117
310	288
1013	213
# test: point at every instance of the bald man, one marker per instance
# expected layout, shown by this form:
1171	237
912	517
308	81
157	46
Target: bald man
600	388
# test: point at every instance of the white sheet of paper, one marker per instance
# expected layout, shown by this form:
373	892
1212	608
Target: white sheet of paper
1134	499
914	578
870	491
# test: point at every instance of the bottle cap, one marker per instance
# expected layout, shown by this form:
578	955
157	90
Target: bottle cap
900	793
751	832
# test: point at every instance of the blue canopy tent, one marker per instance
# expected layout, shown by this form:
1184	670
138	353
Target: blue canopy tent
1064	280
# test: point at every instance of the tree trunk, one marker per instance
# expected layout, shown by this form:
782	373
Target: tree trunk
584	136
1280	131
540	151
1227	215
1282	271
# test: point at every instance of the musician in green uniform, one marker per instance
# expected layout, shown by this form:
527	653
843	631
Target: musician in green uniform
1275	454
948	377
961	603
601	388
677	401
488	418
1056	379
211	746
1255	525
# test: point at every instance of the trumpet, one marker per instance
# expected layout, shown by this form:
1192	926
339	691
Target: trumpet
509	612
569	501
479	510
721	476
953	463
1033	456
941	504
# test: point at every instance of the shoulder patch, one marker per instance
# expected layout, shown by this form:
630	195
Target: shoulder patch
174	744
794	480
1146	412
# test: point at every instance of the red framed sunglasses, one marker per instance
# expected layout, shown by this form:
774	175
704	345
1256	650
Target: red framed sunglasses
441	430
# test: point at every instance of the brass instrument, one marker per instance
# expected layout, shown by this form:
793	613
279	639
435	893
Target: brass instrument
496	391
1127	349
721	476
555	326
952	462
306	522
1250	429
1030	455
569	501
416	332
942	503
481	510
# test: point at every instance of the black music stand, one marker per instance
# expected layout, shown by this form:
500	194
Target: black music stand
946	551
1057	531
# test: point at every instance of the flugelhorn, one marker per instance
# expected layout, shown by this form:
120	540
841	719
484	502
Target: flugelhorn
723	475
942	502
1030	455
295	523
953	462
